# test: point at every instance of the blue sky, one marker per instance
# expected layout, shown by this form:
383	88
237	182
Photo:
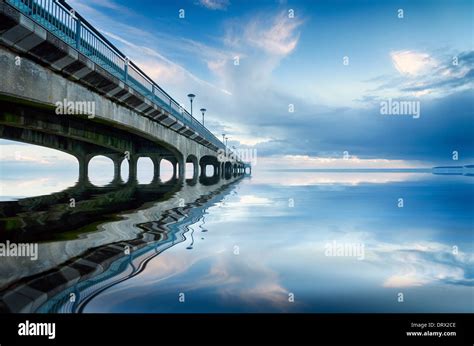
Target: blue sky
298	61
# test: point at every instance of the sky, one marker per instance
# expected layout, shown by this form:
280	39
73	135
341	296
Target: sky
303	82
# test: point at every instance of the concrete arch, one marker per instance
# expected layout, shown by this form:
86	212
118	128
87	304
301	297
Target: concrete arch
209	160
84	167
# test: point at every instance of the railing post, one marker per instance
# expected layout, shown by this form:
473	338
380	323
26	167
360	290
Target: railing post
78	33
126	69
31	8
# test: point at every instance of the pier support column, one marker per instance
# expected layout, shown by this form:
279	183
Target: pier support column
203	169
117	159
195	170
84	168
156	159
174	169
132	168
181	169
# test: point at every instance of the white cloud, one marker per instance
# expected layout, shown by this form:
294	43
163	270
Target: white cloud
424	75
412	63
214	4
276	35
280	38
253	200
406	280
416	265
111	5
160	68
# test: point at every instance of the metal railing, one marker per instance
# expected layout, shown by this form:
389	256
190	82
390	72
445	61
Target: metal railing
60	19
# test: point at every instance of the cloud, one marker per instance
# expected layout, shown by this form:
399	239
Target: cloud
445	125
214	4
261	284
160	68
420	264
452	82
88	10
276	35
112	5
447	77
405	280
412	63
254	200
423	74
279	38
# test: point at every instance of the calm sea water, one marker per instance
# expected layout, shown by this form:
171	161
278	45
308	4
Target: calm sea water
301	242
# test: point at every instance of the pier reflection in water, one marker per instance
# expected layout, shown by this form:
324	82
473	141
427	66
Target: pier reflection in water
88	234
245	247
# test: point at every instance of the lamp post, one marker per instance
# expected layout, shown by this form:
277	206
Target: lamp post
203	110
191	98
